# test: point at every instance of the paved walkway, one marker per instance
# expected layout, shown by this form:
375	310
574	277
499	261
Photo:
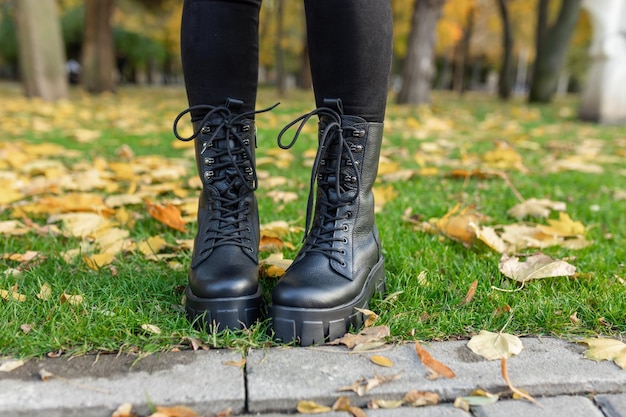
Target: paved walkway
274	380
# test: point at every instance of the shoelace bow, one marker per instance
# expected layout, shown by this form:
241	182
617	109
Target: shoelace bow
331	136
227	232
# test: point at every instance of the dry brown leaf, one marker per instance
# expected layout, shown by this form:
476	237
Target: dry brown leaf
536	266
495	345
238	364
471	292
370	317
270	244
176	411
311	407
416	398
341	404
438	369
458	225
10	365
490	237
363	385
124	410
368	334
385	404
167	214
356	411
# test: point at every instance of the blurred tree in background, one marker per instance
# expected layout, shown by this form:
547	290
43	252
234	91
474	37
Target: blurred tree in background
487	45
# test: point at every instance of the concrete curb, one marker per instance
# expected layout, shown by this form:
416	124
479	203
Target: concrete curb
274	380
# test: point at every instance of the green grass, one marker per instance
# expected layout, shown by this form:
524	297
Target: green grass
119	300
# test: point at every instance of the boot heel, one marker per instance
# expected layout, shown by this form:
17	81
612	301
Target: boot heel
217	314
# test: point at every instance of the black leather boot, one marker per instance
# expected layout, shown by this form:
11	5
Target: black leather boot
223	290
340	266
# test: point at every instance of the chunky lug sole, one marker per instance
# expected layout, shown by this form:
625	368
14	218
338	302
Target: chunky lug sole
311	326
217	314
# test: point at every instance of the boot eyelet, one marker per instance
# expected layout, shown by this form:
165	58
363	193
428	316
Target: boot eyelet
206	129
343	252
348	214
208	175
343	264
209	161
246	142
248	229
245	128
345	228
345	241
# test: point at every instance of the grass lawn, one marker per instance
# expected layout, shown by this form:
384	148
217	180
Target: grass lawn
51	304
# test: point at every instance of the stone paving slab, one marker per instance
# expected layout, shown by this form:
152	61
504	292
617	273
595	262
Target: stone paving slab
562	406
199	380
278	378
613	405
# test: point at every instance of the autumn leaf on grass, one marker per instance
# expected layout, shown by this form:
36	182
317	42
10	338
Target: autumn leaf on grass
368	335
601	349
490	237
71	299
98	260
270	244
12	294
536	266
456	224
495	345
167	214
437	368
534	207
363	385
564	227
274	266
504	156
152	245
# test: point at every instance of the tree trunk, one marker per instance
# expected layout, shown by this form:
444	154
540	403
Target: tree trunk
463	53
41	52
305	82
98	60
281	77
552	43
505	79
419	67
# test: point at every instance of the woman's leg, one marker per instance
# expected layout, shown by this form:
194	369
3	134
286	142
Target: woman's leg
219	46
340	265
219	51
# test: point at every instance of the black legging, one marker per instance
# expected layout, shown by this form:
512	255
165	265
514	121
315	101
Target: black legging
349	47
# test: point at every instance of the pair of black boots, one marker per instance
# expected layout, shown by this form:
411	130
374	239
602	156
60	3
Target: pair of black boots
340	265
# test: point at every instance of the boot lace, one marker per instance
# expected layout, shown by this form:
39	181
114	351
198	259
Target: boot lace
333	185
226	150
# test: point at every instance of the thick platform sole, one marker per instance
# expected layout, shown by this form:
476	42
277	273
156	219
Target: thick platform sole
217	314
311	326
